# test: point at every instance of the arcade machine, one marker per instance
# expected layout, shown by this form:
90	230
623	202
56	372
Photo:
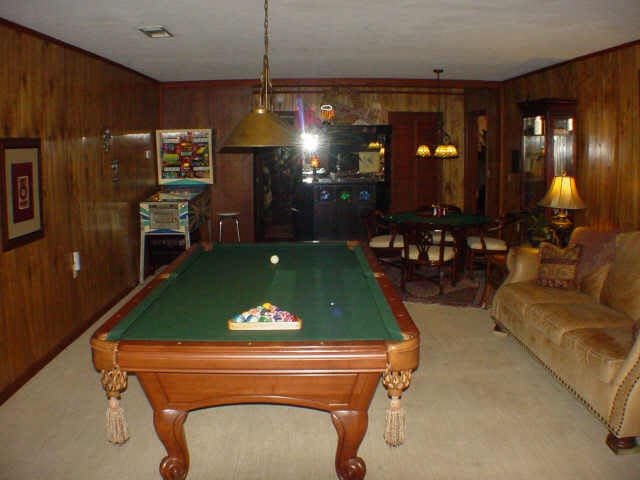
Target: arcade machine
170	217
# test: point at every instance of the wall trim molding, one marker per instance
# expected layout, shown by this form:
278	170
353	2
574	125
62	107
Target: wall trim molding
371	83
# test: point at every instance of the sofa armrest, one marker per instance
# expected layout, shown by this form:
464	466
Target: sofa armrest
523	264
624	419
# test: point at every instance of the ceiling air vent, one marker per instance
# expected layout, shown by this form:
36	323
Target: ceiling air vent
156	31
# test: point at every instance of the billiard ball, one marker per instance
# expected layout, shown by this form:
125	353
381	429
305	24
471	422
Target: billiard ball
334	309
275	259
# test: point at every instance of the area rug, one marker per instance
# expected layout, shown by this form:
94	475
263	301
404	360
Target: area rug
466	292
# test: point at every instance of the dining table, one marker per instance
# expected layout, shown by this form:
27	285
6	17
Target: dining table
461	225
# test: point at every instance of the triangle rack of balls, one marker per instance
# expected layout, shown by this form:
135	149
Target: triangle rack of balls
265	317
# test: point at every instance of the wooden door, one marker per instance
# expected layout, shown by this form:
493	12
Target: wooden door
476	164
414	181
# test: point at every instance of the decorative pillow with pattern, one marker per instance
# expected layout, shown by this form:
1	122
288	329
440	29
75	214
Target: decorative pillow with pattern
558	265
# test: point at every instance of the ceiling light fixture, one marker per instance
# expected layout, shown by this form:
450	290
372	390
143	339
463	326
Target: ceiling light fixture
156	31
445	149
261	128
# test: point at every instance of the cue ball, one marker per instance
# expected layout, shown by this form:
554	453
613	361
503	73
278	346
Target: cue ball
275	259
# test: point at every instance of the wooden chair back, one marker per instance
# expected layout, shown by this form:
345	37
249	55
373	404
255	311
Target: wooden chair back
425	245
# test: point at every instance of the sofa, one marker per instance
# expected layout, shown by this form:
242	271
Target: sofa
581	321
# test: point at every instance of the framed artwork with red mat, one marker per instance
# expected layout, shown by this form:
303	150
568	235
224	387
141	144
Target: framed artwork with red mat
21	191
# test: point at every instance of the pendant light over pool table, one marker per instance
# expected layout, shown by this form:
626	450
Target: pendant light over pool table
261	128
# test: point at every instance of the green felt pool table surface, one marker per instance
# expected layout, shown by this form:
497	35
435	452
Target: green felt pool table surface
329	286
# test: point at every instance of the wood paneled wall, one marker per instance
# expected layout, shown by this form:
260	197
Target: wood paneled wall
67	98
605	86
220	105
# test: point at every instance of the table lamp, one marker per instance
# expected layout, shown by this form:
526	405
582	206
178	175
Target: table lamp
562	196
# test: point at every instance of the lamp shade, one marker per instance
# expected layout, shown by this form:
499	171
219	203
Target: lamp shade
423	151
563	193
260	129
446	151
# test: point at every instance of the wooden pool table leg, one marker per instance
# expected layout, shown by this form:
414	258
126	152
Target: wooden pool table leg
169	426
351	426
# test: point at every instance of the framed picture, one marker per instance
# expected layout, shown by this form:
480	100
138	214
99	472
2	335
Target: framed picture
185	157
21	192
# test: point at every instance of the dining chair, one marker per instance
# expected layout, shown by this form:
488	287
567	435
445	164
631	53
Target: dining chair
494	239
425	248
489	247
383	237
430	211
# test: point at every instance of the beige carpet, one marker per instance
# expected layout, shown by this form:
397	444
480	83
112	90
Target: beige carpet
479	408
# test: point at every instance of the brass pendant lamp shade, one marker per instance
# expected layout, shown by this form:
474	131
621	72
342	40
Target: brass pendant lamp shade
261	128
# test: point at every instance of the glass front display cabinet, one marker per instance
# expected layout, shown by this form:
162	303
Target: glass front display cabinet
548	132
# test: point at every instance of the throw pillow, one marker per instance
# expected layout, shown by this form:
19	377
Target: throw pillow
558	265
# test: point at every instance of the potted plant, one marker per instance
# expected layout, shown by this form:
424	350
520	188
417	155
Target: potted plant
538	228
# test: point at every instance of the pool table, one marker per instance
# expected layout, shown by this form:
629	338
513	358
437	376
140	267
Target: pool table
173	335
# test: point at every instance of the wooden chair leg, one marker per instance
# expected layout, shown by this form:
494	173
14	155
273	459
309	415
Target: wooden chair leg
487	291
469	263
405	274
454	275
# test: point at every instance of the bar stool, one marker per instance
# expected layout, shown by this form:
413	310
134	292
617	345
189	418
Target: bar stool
222	216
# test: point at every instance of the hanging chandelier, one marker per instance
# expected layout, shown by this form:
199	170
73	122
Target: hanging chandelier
445	149
261	128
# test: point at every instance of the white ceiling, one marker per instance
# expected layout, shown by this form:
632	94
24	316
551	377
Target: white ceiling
223	39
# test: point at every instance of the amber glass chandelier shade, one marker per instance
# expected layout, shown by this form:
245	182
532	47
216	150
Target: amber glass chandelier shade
423	151
446	151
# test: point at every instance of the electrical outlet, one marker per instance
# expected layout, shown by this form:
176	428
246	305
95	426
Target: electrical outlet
75	264
115	170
